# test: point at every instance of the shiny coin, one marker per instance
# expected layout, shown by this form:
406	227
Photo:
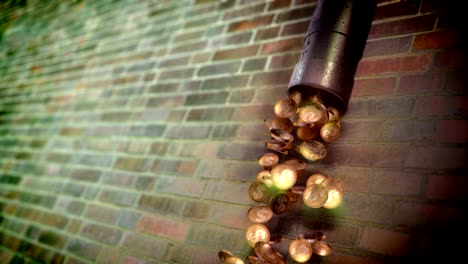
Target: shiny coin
321	248
268	160
316	178
285	108
257	233
258	191
279	203
260	214
284	176
300	250
315	195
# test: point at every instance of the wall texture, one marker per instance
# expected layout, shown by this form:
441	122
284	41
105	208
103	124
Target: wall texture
130	130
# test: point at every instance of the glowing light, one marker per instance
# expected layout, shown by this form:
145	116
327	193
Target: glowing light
257	233
283	176
315	195
300	250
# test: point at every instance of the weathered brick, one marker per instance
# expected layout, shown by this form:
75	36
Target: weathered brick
253	65
88	175
413	63
288	60
212	236
146	246
387	46
101	233
367	155
295	14
450	59
271	78
210	114
236	53
227	192
436	40
180	186
267	33
421	83
225	83
452	106
206	98
245	11
198	210
165	227
131	164
386	242
395	9
189	132
452	131
129	219
234	39
250	23
447	187
230	216
84	249
436	157
389	107
106	215
160	204
241	96
402	27
290	44
53	239
398	183
377	209
121	198
179	253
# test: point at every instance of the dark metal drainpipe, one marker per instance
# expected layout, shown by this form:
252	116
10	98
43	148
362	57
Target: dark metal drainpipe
333	47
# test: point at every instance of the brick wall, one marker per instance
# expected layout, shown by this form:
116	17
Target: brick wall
130	130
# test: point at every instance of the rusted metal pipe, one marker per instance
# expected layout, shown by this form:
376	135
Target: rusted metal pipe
333	47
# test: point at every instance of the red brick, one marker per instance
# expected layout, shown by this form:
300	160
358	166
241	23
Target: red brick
408	130
387	46
267	33
452	131
367	155
236	53
395	9
296	28
225	191
250	23
339	258
144	245
180	186
343	235
385	242
450	59
229	40
442	106
244	11
436	40
230	216
375	86
402	26
291	44
398	183
176	74
253	112
271	78
277	4
163	226
101	233
288	60
356	179
199	210
435	157
446	187
421	83
370	208
412	63
295	14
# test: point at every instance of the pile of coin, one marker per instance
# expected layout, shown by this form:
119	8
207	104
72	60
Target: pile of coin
304	126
